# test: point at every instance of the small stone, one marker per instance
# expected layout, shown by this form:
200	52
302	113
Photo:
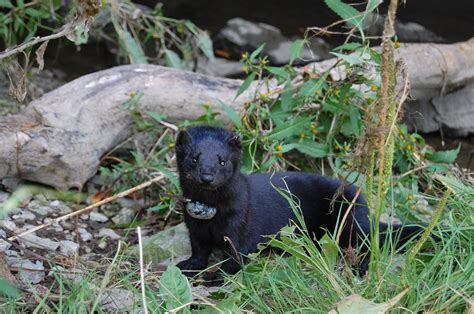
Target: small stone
41	198
55	203
11	183
106	232
24	215
64	210
39	209
125	216
30	277
9	225
87	249
11	253
84	216
69	248
119	300
102	244
4	245
32	240
67	225
95	216
4	196
85	235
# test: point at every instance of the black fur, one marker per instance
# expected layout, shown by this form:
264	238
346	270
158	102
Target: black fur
249	207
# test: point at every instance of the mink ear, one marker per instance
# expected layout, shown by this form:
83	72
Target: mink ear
234	142
183	141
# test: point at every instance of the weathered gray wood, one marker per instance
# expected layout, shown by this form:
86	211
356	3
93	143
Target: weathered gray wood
59	138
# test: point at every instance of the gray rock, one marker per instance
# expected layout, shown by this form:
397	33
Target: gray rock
30	277
220	67
406	31
84	234
33	241
95	216
125	216
169	243
69	248
249	35
106	232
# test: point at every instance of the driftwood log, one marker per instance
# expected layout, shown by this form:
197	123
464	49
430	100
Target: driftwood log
59	138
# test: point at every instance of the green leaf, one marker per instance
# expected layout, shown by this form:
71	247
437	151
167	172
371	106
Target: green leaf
289	129
245	84
345	11
175	289
348	46
205	44
156	116
286	96
279	72
133	48
357	304
32	12
296	48
256	52
447	156
6	4
7	289
330	251
351	59
355	119
173	60
233	116
313	149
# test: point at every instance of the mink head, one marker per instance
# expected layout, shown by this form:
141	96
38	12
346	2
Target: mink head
207	156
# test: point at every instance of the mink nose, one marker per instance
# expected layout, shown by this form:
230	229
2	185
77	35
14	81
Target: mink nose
207	177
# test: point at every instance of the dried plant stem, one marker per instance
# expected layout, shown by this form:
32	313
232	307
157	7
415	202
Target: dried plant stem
90	207
142	272
386	115
434	220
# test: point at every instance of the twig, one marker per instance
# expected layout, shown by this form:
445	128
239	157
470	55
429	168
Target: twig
90	207
68	28
344	218
142	273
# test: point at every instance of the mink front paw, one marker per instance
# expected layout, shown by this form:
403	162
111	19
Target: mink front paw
191	266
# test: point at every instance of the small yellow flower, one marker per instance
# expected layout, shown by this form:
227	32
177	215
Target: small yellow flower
245	69
264	62
397	44
410	197
279	155
315	131
207	105
171	145
132	94
374	88
409	147
279	148
347	148
302	135
413	207
245	55
336	147
337	92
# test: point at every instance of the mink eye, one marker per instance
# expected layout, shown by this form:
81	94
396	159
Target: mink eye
222	163
194	160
